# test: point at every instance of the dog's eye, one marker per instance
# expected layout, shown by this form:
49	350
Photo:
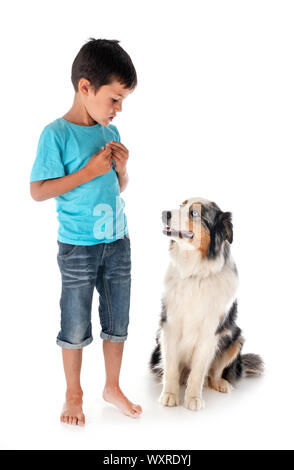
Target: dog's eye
194	213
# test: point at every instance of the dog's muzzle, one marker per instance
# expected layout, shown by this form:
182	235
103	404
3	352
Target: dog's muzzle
176	233
166	216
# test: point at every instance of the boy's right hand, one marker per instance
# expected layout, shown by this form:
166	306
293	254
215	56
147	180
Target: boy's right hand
100	163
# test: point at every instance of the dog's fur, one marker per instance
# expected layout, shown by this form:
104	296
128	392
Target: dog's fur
198	342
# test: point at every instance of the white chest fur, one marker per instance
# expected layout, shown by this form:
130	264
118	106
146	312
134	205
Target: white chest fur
196	299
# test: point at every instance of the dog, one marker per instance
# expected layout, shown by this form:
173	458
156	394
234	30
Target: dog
198	342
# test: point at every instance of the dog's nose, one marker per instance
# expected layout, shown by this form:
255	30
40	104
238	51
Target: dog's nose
166	216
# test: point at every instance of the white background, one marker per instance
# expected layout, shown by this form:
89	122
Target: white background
212	116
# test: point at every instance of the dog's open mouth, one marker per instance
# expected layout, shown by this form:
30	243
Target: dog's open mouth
176	233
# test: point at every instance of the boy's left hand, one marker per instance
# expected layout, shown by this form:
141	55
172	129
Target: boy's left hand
120	155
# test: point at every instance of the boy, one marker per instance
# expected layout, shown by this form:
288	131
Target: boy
82	164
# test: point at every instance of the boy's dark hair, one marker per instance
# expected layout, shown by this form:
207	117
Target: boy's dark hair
101	61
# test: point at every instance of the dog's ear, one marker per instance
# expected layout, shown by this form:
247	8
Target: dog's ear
228	226
222	230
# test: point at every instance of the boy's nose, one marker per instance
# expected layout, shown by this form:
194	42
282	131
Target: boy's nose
119	107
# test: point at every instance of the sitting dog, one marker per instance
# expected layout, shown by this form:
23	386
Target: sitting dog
198	342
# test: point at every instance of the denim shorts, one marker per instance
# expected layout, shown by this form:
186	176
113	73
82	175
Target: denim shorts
107	266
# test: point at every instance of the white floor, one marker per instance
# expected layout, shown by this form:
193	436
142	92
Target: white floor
256	415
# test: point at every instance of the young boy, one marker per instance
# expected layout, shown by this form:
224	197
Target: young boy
82	164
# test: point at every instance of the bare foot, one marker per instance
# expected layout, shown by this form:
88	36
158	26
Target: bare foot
72	412
117	398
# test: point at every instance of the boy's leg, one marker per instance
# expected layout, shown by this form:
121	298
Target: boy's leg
78	267
113	284
72	412
112	393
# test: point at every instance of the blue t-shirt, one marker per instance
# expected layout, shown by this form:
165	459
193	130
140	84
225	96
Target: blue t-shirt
92	212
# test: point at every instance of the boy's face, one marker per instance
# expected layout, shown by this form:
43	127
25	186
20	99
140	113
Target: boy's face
107	102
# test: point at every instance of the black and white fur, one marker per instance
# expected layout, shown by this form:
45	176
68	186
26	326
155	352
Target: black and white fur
198	342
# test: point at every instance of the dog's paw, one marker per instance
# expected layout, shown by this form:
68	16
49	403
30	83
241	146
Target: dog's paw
221	385
193	403
169	399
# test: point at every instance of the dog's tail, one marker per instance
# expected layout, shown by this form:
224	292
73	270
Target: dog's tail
155	361
245	365
252	364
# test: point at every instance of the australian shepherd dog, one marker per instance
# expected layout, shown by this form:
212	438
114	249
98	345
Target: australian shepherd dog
198	342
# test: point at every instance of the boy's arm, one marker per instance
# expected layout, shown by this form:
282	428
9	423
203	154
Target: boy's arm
123	179
99	164
120	155
46	189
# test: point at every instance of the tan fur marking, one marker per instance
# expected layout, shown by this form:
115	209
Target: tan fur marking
192	222
205	241
230	354
225	360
